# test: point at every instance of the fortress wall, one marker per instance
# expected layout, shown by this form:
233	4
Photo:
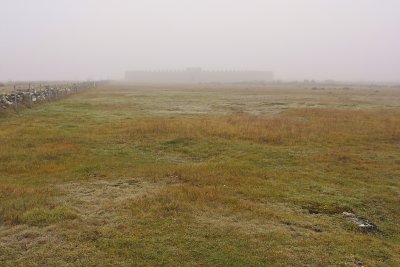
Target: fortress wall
197	76
235	76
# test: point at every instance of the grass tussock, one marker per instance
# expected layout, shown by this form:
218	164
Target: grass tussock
43	217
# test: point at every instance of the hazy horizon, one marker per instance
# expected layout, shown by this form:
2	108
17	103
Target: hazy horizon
341	40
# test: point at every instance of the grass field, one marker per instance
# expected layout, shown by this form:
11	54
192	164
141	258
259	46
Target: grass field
204	175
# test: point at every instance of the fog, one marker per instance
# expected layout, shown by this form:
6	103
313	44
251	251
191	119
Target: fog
348	40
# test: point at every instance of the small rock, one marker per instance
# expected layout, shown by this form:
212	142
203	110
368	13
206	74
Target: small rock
362	223
359	263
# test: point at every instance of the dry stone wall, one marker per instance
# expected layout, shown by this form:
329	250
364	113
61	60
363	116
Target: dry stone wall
18	98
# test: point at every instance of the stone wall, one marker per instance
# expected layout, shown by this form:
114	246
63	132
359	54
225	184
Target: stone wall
19	98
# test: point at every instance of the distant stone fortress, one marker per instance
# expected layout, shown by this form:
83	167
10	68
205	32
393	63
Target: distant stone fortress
198	75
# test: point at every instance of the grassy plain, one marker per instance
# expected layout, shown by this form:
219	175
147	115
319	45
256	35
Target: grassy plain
202	175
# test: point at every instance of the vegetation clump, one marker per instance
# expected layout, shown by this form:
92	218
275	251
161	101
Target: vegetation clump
43	217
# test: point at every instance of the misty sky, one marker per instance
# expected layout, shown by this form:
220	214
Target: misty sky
297	39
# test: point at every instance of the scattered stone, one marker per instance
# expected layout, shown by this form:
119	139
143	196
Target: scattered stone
362	223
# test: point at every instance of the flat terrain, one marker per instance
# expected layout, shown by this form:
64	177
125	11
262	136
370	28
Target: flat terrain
204	175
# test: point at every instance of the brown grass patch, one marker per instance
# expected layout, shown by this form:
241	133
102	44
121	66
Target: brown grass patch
57	148
15	200
289	128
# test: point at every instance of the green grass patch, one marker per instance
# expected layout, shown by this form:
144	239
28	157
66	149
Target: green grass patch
44	217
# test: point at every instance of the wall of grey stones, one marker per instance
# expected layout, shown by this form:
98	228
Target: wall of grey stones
28	97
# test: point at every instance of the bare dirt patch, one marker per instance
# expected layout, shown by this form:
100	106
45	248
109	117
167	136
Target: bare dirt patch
97	204
273	218
104	200
18	241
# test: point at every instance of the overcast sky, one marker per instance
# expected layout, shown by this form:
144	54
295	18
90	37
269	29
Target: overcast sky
297	39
